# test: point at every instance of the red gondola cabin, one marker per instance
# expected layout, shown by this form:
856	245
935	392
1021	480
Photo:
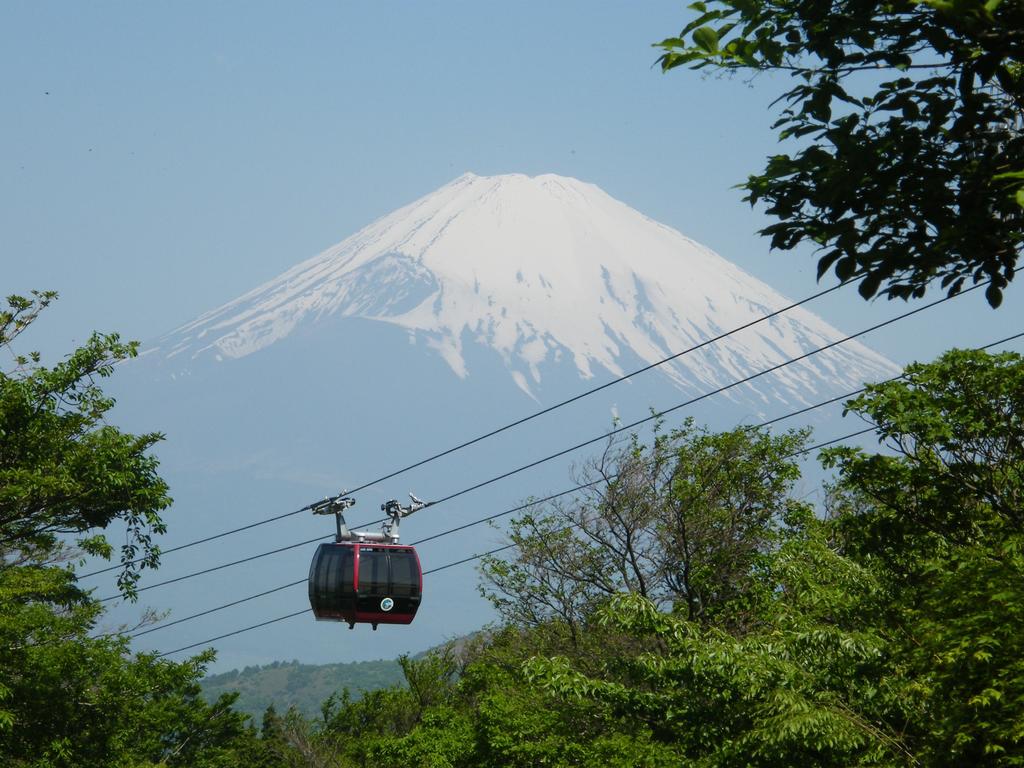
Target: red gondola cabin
362	582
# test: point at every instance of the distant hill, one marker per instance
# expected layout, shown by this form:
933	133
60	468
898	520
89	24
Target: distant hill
304	686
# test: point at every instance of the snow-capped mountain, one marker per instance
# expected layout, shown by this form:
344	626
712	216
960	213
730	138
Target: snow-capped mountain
432	326
542	270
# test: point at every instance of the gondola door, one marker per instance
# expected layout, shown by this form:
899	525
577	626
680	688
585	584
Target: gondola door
388	584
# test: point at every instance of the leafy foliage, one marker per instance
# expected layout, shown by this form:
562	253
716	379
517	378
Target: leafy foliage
909	116
946	525
889	634
63	470
955	427
67	697
680	523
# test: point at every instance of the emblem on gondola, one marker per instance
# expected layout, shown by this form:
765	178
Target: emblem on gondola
387	604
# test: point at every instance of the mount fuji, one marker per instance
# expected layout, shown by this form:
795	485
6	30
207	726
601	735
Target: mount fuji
460	312
539	270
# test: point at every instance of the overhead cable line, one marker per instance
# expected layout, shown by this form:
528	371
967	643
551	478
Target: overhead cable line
497	431
219	567
218	608
236	632
521	507
489	518
591	441
816	447
432	570
575	489
706	395
801	452
761	425
220	535
601	387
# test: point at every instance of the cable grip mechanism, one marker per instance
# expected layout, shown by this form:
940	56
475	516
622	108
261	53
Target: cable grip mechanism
336	505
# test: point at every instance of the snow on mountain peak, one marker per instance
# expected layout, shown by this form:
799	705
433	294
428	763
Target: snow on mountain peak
540	269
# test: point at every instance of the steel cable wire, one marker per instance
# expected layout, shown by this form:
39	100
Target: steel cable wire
493	432
433	570
533	502
591	441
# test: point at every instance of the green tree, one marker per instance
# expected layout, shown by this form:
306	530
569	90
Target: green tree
944	517
491	716
67	697
63	469
908	117
890	633
681	522
956	472
374	729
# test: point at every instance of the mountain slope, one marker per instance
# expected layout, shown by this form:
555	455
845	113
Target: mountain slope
540	270
303	686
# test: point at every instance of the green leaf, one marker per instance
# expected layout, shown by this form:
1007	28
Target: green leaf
707	39
883	188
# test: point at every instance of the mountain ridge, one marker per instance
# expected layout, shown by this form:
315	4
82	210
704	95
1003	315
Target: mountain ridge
306	687
539	269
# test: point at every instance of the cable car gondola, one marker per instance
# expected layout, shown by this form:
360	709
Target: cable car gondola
364	577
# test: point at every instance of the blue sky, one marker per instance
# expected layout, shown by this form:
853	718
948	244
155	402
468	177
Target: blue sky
158	159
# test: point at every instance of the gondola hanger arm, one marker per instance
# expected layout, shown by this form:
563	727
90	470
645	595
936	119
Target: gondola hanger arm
336	505
333	504
395	510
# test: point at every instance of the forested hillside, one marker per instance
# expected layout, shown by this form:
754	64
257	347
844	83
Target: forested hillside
302	686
